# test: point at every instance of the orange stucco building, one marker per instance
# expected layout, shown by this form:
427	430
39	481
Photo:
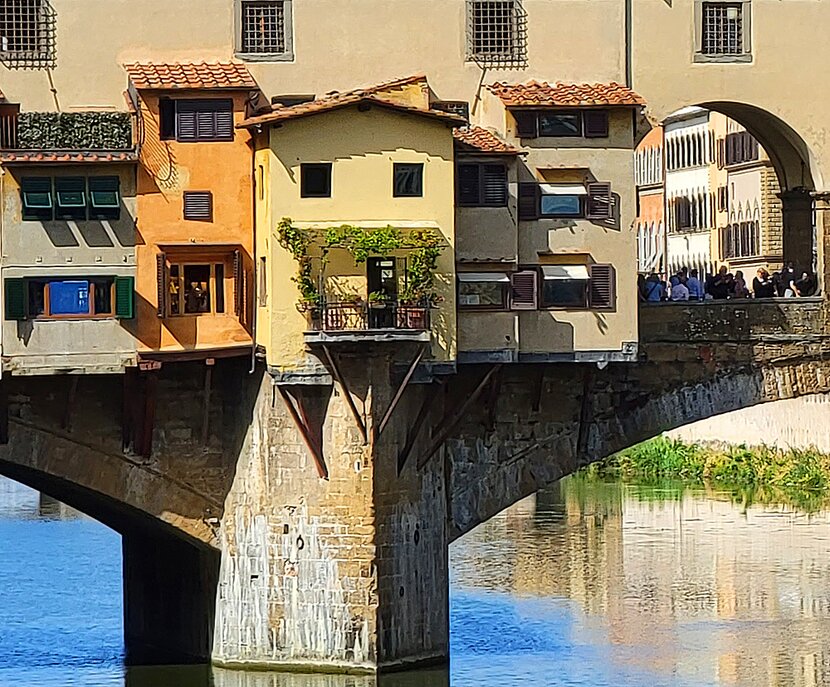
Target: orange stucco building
195	236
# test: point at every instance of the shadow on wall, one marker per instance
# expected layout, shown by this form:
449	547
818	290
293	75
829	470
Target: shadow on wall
122	232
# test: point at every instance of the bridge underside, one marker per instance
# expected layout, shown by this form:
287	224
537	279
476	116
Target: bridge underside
332	516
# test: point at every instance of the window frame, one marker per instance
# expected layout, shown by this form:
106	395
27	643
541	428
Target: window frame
88	212
308	166
286	55
522	130
746	33
170	112
543	305
505	286
480	201
201	260
41	29
399	167
47	313
517	53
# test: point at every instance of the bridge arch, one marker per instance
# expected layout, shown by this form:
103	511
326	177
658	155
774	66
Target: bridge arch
696	362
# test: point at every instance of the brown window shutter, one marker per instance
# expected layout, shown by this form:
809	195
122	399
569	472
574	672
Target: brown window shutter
529	200
600	201
161	283
595	123
525	123
602	287
524	290
238	283
198	205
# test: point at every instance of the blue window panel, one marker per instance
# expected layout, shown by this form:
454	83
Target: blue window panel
69	297
556	205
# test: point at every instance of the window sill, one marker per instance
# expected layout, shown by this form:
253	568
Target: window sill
265	57
700	58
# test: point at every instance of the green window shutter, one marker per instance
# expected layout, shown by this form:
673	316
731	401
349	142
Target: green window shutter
15	296
125	297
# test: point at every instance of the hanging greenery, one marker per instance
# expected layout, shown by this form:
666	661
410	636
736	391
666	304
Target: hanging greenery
424	245
74	131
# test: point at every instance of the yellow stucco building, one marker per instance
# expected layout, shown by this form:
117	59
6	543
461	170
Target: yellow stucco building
355	224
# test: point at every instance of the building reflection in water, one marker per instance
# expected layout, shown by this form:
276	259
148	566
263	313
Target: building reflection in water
204	676
683	583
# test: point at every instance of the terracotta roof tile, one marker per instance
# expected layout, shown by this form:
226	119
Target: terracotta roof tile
338	100
544	94
39	156
163	76
476	139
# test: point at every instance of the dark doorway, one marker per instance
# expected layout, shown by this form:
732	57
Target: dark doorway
382	283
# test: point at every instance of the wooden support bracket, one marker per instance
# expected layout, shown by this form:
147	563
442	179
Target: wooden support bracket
145	447
301	420
209	363
399	394
493	399
585	413
66	421
4	410
415	428
338	376
450	423
538	388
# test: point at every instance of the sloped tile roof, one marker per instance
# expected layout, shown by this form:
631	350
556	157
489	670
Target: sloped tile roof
339	100
475	139
543	94
164	76
61	156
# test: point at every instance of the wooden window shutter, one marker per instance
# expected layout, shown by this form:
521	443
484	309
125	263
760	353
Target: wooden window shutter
494	185
15	298
161	283
602	287
186	129
125	297
206	124
467	182
595	123
224	122
525	123
238	283
600	201
198	205
524	290
529	200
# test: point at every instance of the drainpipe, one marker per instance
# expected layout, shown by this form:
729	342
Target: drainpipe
629	48
255	270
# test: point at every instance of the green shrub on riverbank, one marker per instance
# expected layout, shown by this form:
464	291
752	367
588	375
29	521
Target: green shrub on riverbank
801	470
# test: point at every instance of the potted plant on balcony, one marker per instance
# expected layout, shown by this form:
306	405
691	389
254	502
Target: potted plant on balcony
378	299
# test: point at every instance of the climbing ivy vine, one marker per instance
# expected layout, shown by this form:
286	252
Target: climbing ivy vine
425	246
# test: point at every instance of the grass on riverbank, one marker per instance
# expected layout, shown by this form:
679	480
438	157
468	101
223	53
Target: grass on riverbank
797	476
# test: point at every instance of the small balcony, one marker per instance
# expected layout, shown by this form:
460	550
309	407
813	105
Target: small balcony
65	136
351	321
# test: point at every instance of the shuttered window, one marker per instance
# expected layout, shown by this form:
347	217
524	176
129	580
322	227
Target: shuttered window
529	200
482	185
37	198
203	120
595	123
125	297
198	205
15	299
524	290
70	193
600	205
104	197
602	287
161	284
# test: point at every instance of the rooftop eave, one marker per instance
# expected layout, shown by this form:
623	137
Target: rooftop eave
68	156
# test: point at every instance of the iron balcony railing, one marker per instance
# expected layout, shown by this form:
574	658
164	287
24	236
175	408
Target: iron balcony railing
348	316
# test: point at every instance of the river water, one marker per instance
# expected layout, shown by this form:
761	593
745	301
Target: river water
588	583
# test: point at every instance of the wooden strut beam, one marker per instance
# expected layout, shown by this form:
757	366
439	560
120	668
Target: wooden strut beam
399	394
4	410
415	428
66	422
338	376
149	413
584	413
450	424
315	450
493	399
209	363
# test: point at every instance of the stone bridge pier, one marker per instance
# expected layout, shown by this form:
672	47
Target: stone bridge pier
271	525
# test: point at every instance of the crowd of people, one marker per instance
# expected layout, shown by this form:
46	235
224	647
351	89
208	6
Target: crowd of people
686	285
